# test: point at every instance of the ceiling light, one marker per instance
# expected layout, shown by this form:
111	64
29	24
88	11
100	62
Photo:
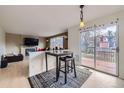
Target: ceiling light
81	16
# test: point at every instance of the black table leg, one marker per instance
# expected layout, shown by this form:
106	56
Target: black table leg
72	55
57	70
46	62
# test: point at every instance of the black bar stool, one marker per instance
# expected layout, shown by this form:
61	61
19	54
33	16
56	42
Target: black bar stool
68	60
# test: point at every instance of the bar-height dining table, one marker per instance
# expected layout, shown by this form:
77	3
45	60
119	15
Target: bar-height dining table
57	54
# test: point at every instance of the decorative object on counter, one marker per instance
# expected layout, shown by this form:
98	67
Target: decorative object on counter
56	48
40	49
47	48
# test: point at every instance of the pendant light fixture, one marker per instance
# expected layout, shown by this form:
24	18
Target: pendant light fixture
81	16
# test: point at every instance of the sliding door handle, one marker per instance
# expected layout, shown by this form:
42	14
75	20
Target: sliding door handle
117	49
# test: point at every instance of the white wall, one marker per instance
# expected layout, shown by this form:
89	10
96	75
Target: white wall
74	42
2	42
13	43
74	36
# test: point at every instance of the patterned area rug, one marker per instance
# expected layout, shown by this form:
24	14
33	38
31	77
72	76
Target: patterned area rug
47	79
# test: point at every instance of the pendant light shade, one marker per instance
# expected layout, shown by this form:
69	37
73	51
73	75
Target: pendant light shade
82	24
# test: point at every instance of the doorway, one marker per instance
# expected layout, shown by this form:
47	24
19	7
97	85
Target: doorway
99	49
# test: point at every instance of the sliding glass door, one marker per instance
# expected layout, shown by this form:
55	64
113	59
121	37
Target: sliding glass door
87	48
106	53
99	49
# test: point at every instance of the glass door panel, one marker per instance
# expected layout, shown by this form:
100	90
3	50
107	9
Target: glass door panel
105	48
87	48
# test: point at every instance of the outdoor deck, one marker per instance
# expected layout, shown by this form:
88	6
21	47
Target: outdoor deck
109	67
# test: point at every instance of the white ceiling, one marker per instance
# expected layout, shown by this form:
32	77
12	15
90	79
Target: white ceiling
48	20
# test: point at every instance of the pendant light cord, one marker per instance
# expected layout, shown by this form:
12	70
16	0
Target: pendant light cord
81	12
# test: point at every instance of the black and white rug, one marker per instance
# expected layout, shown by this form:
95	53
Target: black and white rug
47	79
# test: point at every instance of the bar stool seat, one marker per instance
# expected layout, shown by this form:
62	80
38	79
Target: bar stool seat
68	60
